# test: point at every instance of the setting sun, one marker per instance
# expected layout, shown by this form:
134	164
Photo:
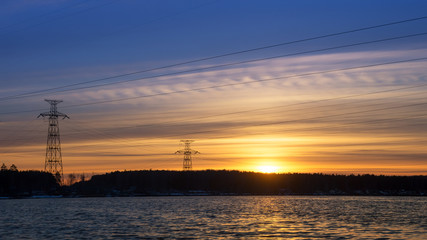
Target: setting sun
268	169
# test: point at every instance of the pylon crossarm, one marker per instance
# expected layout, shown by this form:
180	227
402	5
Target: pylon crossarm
43	114
63	115
49	114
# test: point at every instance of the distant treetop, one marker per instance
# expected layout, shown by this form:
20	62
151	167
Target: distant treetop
13	168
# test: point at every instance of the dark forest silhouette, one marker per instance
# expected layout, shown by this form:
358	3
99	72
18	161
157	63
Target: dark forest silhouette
223	182
14	183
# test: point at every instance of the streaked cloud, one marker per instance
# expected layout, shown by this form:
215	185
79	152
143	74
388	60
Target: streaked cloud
293	112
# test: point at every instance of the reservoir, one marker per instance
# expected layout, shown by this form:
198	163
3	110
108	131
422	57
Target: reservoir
215	217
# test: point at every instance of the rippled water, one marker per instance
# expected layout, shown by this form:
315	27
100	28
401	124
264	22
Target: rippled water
248	217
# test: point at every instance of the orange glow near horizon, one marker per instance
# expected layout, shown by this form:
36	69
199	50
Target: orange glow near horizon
271	154
353	104
247	128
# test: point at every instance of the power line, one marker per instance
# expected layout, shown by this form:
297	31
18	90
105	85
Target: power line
109	136
81	129
300	130
269	108
235	84
122	140
293	104
347	124
296	120
248	82
168	123
217	56
224	65
312	118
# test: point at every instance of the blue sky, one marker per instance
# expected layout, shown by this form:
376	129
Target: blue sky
37	36
49	44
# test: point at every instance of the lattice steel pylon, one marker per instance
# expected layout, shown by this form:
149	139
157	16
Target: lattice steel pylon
53	160
187	152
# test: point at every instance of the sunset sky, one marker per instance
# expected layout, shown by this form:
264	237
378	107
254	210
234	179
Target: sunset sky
283	86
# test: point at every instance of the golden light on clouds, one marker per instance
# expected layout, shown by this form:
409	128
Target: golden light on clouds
348	122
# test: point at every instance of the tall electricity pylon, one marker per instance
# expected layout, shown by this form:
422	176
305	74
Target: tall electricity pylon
188	152
53	160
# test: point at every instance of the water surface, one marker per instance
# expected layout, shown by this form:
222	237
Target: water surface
221	217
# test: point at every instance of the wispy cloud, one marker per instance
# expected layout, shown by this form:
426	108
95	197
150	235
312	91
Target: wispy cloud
283	108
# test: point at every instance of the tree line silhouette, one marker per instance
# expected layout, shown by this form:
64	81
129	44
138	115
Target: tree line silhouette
224	182
14	183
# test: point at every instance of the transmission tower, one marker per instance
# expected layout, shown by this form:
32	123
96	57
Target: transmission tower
53	160
188	152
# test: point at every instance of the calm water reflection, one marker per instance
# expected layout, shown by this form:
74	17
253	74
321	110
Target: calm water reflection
252	217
